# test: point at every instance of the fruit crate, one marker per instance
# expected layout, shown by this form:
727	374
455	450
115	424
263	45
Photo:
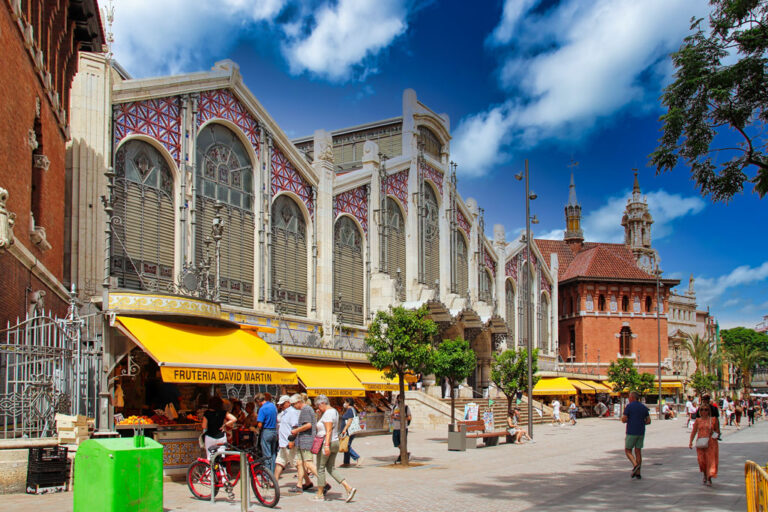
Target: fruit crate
47	470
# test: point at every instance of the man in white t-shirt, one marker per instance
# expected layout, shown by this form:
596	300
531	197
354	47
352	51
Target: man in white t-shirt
555	412
288	419
690	409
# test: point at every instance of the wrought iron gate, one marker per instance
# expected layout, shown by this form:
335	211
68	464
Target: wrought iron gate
48	366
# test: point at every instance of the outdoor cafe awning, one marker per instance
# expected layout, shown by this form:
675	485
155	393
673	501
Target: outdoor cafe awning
554	386
208	355
582	386
599	386
372	379
668	385
327	378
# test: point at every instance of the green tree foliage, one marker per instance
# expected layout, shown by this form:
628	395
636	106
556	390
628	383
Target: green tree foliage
703	382
455	361
744	336
645	383
401	342
699	349
745	358
720	83
623	375
509	371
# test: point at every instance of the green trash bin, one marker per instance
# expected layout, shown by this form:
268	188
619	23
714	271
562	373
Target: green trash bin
122	474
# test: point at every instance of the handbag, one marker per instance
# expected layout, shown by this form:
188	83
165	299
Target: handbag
702	442
354	427
317	443
343	444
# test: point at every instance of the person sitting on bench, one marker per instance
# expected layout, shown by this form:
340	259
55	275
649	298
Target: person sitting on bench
514	430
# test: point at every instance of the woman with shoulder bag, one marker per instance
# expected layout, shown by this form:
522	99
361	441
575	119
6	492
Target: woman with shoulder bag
216	423
351	427
707	452
328	433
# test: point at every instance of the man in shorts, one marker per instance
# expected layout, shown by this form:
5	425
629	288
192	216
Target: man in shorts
305	434
636	416
286	453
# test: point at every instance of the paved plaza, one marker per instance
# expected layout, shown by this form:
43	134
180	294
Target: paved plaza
568	468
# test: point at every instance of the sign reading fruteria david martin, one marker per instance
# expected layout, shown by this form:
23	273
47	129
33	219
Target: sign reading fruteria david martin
214	376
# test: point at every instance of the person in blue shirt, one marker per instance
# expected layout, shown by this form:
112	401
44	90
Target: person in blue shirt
267	424
636	416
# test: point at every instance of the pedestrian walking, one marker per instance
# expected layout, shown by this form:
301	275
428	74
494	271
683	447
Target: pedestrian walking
304	434
555	412
572	409
690	409
288	419
707	451
267	424
739	411
348	418
750	411
328	431
636	416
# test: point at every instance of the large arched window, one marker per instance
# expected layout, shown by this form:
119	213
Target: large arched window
289	256
526	294
544	323
510	308
348	271
396	245
431	234
432	145
485	286
625	342
462	265
224	174
142	249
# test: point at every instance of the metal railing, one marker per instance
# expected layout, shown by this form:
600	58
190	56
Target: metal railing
245	476
756	482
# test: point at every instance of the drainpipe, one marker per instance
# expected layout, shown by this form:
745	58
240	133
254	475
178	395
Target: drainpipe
193	164
184	135
314	251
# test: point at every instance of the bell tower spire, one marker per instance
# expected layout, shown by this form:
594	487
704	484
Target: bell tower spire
574	236
637	223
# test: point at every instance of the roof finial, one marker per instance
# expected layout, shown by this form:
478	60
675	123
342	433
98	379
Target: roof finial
572	200
636	186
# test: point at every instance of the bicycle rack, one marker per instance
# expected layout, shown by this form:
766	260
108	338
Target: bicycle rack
245	477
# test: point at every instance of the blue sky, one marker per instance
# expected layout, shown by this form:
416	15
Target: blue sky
548	81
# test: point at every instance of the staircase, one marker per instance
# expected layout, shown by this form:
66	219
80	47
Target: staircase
499	409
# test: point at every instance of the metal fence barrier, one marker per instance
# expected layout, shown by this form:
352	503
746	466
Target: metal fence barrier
245	475
756	482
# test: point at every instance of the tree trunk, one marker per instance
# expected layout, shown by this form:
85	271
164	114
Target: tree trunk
403	424
453	404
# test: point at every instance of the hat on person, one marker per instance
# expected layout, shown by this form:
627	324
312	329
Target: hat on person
296	398
283	399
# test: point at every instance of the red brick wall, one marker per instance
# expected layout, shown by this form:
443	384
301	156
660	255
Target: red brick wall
16	284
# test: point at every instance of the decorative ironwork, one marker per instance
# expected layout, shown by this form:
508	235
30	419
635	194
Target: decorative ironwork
158	118
433	175
353	202
196	280
222	104
397	186
463	222
489	261
286	177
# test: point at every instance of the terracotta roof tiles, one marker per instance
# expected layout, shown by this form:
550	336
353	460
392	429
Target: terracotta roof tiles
598	260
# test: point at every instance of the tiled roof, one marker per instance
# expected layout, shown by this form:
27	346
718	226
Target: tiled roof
599	260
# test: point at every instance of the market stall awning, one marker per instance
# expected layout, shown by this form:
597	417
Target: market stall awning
327	378
554	386
599	386
582	386
208	355
373	379
670	385
609	385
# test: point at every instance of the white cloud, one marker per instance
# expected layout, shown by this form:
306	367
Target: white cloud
478	140
575	64
710	288
555	234
174	36
344	35
604	224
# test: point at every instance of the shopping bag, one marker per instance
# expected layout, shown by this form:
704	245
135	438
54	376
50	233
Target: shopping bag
344	444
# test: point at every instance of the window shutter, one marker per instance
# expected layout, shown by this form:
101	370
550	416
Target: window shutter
396	245
348	271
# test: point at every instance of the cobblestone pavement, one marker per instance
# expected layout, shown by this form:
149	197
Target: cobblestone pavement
579	467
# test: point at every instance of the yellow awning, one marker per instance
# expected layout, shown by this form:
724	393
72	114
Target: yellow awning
609	385
327	378
210	355
554	386
582	386
599	387
668	384
373	379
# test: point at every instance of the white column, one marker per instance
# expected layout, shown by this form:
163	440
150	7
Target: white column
323	166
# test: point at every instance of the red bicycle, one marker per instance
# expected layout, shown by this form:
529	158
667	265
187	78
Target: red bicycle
226	473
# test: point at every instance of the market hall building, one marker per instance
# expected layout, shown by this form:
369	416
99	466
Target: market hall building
319	232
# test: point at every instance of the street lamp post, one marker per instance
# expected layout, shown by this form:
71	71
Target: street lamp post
658	333
529	196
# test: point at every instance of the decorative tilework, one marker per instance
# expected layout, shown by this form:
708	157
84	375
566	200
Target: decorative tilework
354	202
222	104
397	185
489	262
510	269
545	284
434	175
463	222
286	177
158	118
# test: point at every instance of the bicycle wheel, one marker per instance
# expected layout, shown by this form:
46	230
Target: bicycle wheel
199	480
264	486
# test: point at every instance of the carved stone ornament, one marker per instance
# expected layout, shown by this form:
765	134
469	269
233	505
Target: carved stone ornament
7	220
32	140
323	146
41	162
37	235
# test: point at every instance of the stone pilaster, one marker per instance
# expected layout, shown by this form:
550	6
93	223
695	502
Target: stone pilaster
324	219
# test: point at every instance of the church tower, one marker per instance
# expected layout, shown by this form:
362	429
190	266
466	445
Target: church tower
574	236
637	222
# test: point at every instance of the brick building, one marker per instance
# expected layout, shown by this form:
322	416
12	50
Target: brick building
40	42
607	293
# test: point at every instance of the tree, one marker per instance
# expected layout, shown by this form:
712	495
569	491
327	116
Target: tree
699	348
623	375
644	383
455	361
703	382
401	342
745	358
744	336
509	371
720	82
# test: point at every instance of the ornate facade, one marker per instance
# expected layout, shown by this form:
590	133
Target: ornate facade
319	232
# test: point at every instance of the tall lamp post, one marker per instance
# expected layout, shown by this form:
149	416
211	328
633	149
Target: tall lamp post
658	332
529	196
